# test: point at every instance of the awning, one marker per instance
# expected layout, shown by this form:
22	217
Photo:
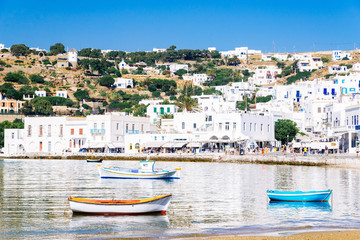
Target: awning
194	144
153	144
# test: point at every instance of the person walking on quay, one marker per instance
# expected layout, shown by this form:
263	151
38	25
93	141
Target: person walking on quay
326	150
305	151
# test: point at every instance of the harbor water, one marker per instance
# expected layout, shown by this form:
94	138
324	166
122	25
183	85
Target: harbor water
209	198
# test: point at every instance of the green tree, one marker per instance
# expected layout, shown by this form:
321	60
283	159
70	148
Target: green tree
185	101
107	81
140	111
156	94
17	77
285	130
95	53
36	78
180	72
57	48
37	106
280	65
20	50
82	94
85	52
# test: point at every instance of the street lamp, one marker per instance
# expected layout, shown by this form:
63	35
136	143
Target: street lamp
287	140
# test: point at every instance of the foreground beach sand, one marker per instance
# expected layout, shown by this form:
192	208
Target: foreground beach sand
335	235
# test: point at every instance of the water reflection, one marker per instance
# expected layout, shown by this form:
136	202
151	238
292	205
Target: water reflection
148	222
278	206
209	198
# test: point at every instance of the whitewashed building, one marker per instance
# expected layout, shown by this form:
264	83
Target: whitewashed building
356	67
310	64
55	135
159	50
266	58
214	103
197	79
73	56
61	94
265	75
40	93
240	52
337	69
339	55
236	91
123	83
177	66
155	111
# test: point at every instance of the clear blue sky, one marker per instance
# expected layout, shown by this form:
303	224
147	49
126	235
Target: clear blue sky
142	25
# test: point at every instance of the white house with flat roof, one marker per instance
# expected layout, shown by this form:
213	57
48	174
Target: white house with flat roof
240	52
197	79
265	75
155	111
339	55
177	66
56	135
62	94
123	83
235	91
214	103
40	93
266	57
310	64
337	69
356	67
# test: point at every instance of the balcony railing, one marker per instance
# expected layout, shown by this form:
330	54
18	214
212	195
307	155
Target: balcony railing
97	131
132	131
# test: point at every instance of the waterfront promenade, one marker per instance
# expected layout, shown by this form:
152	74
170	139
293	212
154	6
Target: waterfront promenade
341	160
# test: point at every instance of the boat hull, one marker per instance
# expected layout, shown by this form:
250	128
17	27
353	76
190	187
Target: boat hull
299	196
118	173
94	160
113	207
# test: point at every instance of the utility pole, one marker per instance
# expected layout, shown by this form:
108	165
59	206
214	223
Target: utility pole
247	56
294	49
273	46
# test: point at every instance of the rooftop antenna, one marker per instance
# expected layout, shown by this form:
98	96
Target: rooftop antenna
314	47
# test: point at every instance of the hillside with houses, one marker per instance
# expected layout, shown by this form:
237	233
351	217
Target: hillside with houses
206	97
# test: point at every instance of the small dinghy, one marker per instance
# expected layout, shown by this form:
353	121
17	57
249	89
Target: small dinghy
117	207
94	160
299	196
146	171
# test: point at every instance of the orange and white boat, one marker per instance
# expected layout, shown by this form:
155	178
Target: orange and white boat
157	204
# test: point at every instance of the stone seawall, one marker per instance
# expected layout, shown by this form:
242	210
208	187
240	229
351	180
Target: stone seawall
312	160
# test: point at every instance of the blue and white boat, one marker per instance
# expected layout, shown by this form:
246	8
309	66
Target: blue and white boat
299	196
146	171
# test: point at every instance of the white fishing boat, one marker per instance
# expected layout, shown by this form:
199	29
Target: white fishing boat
146	171
117	207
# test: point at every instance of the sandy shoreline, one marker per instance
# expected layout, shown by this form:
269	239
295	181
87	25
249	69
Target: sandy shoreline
327	235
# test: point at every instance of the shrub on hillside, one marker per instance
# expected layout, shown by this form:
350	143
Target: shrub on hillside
106	81
17	77
82	94
35	78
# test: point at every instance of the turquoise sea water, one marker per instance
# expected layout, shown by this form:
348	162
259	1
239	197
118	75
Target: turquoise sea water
209	198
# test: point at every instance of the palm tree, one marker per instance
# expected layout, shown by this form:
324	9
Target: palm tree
186	102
